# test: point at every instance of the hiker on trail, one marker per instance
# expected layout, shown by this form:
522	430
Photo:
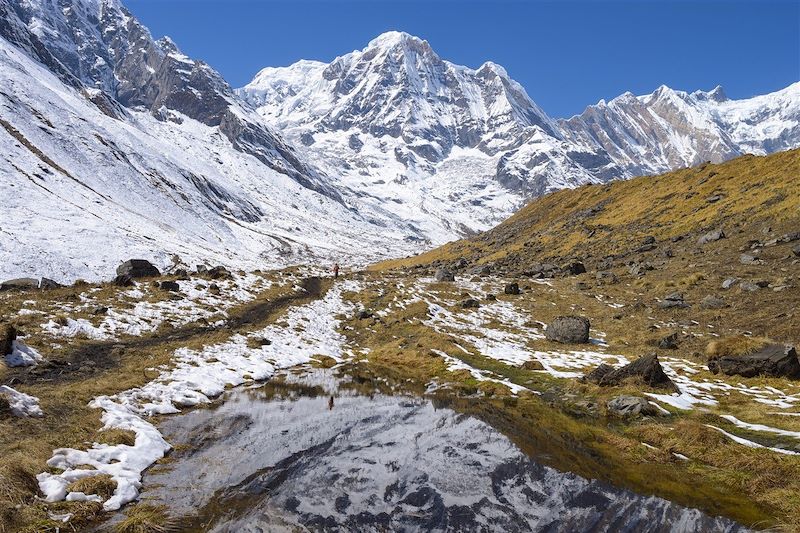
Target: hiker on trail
336	270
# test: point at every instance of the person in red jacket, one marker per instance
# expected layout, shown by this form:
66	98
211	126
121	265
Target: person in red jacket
336	270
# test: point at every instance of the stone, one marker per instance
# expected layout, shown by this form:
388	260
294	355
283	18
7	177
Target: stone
569	330
8	334
364	314
490	298
582	286
574	268
606	277
19	284
596	375
138	268
713	302
630	407
122	280
470	303
182	274
460	263
747	259
645	248
480	270
729	282
711	236
672	301
171	286
201	269
638	269
100	310
47	284
512	288
443	274
648	240
647	368
714	198
214	289
532	364
775	360
796	250
670	342
791	237
219	272
752	286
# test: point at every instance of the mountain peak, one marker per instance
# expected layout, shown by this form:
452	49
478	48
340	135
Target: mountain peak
392	38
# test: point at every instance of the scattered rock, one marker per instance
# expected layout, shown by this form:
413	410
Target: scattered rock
674	300
796	250
100	310
569	330
747	259
714	198
713	302
574	268
171	286
201	269
214	289
532	364
596	375
47	284
670	342
791	237
460	263
645	248
138	268
752	286
648	240
481	270
646	368
730	282
443	274
19	284
711	236
364	314
470	303
606	277
776	360
582	286
512	288
630	406
219	272
638	269
122	280
182	274
8	334
491	298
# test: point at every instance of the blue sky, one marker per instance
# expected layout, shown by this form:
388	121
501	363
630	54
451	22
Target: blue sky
567	54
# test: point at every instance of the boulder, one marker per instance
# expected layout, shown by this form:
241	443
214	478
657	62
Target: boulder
747	259
214	289
443	274
460	263
674	300
122	280
8	334
19	284
606	277
670	342
480	270
138	268
638	269
646	368
182	274
752	286
713	302
569	330
171	286
512	288
596	375
574	268
219	272
729	282
100	310
47	284
364	314
648	240
775	360
490	298
470	303
532	364
630	406
711	236
201	269
796	250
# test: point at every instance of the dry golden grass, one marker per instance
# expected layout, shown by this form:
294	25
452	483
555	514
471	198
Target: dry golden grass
103	485
735	346
144	518
116	436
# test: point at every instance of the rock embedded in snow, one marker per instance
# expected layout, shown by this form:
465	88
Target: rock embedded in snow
569	330
47	284
138	268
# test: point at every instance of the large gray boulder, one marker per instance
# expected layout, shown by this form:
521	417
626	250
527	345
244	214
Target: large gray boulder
569	330
646	368
443	274
138	268
630	406
711	236
19	284
776	360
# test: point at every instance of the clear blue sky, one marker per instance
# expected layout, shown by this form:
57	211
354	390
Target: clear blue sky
567	54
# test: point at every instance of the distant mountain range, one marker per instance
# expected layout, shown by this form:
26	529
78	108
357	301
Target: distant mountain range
117	145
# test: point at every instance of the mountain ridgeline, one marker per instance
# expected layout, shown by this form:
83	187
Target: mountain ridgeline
116	144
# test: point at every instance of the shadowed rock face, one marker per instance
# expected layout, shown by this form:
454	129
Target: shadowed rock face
383	463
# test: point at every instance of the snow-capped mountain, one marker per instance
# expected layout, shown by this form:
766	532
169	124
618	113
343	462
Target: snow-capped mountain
396	110
115	145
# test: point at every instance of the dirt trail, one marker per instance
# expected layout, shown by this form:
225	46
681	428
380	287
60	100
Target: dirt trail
105	355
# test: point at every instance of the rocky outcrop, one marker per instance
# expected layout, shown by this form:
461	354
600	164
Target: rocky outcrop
630	407
443	274
774	360
646	369
138	268
19	284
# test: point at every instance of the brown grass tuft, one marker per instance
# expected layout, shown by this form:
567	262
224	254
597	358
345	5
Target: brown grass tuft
102	485
145	518
735	346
